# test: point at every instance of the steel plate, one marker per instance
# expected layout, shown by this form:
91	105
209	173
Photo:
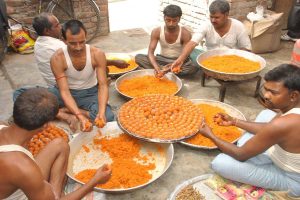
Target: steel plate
199	185
121	56
228	108
139	73
163	162
231	76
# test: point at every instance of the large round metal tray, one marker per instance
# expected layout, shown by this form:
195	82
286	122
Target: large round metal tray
139	73
231	76
121	56
155	140
163	161
228	108
198	184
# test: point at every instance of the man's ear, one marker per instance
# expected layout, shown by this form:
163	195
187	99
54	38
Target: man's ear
295	95
46	32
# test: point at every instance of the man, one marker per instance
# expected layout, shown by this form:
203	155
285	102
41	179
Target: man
48	29
220	32
42	177
80	72
279	167
172	38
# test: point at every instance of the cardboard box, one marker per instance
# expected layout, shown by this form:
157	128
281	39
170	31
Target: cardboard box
265	34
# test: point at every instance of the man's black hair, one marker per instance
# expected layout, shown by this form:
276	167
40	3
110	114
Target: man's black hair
221	6
34	107
288	74
41	22
172	11
74	26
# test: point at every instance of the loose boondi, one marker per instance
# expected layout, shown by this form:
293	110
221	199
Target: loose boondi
164	117
231	64
130	168
145	85
227	133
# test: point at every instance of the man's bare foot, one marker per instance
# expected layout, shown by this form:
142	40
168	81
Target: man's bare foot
73	123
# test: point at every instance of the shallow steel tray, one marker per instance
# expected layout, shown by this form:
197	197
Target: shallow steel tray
228	108
112	128
231	76
139	73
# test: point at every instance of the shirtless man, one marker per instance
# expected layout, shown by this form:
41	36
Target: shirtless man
172	38
271	158
42	177
49	40
220	32
80	72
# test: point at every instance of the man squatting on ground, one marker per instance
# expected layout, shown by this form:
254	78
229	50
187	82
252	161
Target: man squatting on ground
44	176
172	38
268	155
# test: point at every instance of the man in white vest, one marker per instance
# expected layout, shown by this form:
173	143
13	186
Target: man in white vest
172	38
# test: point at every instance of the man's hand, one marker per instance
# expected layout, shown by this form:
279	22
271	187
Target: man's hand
224	119
100	122
205	130
158	73
118	63
85	124
176	66
103	174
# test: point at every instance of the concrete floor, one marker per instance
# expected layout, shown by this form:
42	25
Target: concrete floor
19	70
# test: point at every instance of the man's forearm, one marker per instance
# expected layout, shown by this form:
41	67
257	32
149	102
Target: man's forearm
188	48
229	148
102	98
251	127
70	102
153	62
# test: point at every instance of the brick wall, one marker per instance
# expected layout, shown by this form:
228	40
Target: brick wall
25	10
195	12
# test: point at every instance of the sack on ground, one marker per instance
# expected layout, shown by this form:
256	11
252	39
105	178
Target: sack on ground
21	41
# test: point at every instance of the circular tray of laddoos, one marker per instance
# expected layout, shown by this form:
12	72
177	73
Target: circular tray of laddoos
160	118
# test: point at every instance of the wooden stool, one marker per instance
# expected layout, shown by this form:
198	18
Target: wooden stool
224	85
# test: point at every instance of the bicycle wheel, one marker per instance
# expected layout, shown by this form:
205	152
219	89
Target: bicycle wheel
86	11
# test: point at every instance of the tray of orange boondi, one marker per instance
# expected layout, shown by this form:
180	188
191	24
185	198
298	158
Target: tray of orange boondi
231	64
143	82
210	108
134	163
160	118
113	70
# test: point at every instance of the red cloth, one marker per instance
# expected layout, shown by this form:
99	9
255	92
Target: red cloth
296	54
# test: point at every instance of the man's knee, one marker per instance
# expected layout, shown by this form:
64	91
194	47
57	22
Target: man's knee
109	114
60	145
222	164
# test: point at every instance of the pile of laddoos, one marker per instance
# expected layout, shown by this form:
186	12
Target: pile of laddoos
164	117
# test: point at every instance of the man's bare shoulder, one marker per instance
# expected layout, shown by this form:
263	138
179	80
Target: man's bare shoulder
59	54
16	164
186	31
95	50
156	32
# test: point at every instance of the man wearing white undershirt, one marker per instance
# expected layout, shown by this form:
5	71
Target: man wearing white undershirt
220	32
